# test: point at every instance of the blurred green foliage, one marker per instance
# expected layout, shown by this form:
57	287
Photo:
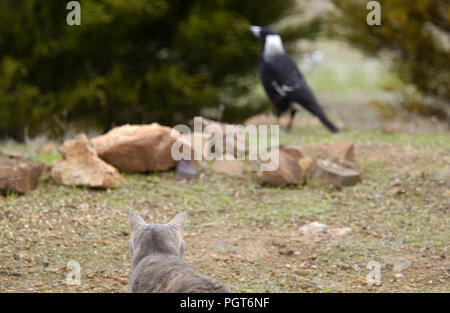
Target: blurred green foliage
130	61
414	36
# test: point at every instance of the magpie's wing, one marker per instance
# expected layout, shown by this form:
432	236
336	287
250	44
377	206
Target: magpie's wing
288	82
284	75
267	79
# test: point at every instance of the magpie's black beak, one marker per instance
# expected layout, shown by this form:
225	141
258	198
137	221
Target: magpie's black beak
256	30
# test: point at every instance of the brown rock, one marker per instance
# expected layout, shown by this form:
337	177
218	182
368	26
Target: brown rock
137	148
19	175
324	172
341	151
288	172
81	166
186	170
260	119
293	151
233	142
349	164
230	167
343	154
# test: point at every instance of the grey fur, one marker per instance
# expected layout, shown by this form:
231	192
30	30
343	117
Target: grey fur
157	259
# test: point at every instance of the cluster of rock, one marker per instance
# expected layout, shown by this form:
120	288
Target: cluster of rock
142	148
128	149
98	163
336	168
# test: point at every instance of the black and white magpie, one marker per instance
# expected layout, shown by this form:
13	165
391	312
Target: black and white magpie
282	81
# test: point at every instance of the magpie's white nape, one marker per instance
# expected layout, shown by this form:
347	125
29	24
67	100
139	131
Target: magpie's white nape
256	30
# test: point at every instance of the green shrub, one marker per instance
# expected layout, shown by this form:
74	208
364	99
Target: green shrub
130	61
414	37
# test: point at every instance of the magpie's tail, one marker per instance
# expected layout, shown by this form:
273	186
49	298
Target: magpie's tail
317	110
306	99
328	124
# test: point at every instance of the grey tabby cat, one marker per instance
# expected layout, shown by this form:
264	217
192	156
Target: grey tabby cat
157	259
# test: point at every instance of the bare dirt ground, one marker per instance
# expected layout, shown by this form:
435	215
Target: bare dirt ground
247	235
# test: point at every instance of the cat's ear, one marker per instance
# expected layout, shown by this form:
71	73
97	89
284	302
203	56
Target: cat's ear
177	224
135	220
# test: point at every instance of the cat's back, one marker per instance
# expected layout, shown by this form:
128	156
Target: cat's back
170	274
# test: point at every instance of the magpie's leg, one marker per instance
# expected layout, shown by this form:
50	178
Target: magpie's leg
291	119
281	106
278	117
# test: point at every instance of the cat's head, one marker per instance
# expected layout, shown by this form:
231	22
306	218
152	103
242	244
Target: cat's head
148	239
